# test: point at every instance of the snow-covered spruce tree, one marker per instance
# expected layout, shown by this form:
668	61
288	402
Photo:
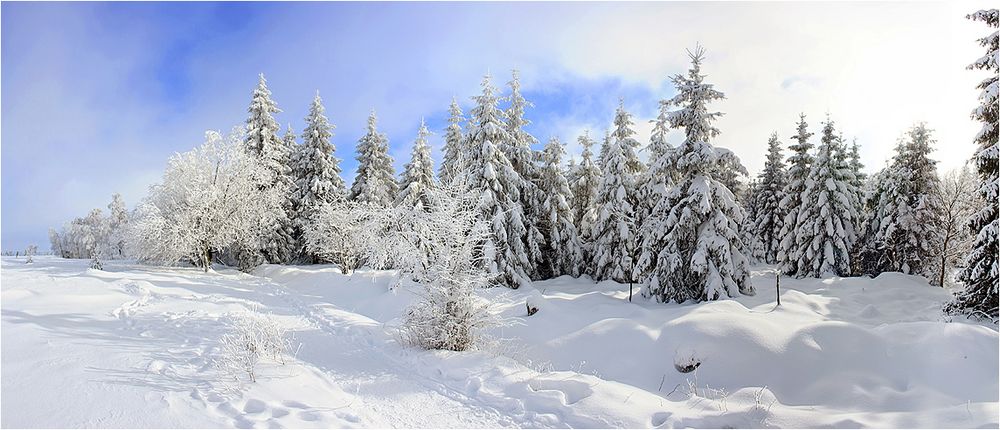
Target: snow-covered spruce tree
571	173
605	145
827	217
212	198
316	171
909	210
584	190
613	231
499	186
658	178
526	162
562	254
799	164
691	244
291	143
262	141
415	186
586	183
624	132
451	164
375	181
980	275
769	192
418	174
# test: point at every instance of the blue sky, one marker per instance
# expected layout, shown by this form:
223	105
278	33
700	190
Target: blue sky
96	96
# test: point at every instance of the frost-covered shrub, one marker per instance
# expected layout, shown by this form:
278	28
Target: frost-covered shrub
252	336
355	234
214	198
449	314
30	252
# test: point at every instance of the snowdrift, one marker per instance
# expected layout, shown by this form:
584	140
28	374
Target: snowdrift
838	352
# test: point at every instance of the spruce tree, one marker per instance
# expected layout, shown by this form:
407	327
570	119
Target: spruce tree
657	179
586	183
826	221
499	186
317	170
799	164
451	163
375	182
980	275
562	253
691	244
767	217
525	162
614	241
909	210
418	175
263	142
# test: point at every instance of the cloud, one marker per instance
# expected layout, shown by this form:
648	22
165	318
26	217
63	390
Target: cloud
97	96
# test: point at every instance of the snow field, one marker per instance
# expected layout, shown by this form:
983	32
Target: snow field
86	348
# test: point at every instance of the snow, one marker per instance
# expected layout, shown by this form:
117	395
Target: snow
89	348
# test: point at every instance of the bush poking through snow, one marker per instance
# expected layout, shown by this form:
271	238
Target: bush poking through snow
450	315
30	252
252	336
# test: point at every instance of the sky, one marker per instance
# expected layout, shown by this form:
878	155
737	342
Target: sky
95	97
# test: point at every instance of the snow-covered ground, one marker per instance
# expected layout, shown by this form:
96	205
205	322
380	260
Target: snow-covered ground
133	346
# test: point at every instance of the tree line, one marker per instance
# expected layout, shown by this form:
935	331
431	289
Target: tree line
682	225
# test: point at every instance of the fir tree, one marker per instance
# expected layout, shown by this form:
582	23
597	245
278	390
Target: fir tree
263	142
767	217
418	175
375	182
524	160
451	164
499	187
691	245
790	205
562	254
825	223
980	275
317	171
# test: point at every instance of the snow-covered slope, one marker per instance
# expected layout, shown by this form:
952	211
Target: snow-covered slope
132	346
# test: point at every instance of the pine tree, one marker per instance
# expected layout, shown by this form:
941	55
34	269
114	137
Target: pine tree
375	181
769	191
799	164
451	164
418	175
980	275
524	160
499	187
317	171
691	245
825	223
263	142
562	254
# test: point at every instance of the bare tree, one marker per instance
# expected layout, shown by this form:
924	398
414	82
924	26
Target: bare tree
959	199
